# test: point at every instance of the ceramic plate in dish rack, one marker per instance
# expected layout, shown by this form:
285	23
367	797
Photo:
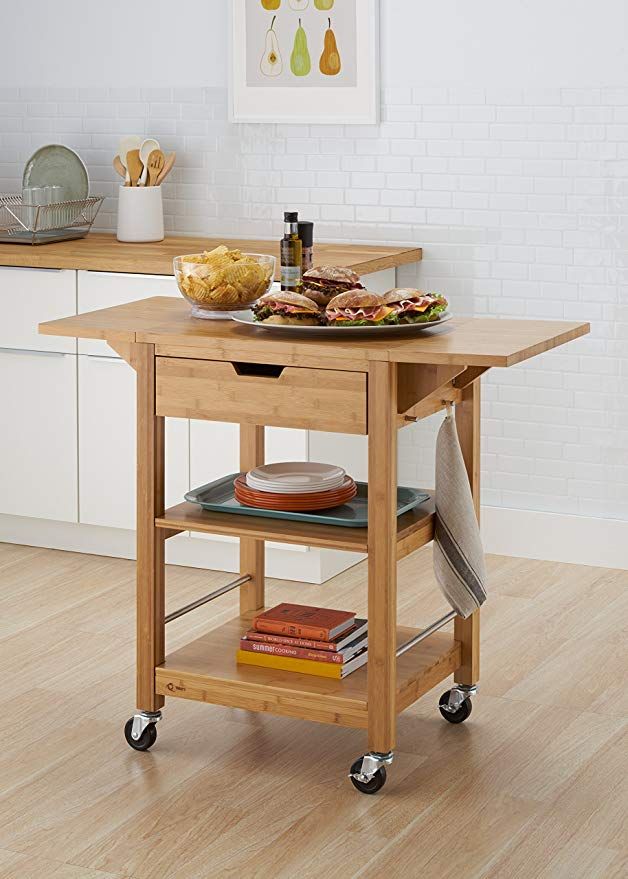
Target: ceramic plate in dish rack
57	165
246	317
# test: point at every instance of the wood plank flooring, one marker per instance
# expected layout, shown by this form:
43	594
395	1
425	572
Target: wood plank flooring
533	786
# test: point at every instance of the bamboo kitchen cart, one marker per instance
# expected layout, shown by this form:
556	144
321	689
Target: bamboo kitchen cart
223	371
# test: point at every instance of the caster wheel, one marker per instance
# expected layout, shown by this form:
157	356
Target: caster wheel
376	783
145	741
458	716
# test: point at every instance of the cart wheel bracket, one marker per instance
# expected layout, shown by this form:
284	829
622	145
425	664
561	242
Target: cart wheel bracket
141	721
457	695
371	763
368	773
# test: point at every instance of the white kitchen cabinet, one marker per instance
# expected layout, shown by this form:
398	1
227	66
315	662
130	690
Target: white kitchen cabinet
38	447
215	450
344	450
106	289
107	454
31	296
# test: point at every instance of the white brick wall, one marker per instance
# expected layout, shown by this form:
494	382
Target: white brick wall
520	199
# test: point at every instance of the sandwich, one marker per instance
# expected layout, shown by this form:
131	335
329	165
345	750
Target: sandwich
411	306
324	282
286	308
357	308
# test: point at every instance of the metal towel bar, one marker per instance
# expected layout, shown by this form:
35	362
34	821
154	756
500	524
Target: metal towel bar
206	598
426	632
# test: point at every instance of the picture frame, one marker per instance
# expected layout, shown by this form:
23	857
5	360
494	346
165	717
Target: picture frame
304	61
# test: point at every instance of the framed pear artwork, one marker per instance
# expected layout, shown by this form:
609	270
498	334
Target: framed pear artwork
304	61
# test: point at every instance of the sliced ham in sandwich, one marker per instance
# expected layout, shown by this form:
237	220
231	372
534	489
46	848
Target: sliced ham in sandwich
413	306
357	308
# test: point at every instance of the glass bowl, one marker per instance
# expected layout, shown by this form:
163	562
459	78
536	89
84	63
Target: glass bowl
221	281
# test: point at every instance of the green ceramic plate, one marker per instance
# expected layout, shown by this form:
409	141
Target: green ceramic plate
219	497
56	165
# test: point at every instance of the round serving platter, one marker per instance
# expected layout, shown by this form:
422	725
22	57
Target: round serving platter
246	317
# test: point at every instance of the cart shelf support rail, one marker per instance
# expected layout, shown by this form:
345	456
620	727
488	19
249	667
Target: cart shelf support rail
426	632
206	598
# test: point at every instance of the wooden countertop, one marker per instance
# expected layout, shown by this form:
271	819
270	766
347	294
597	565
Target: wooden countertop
166	321
100	252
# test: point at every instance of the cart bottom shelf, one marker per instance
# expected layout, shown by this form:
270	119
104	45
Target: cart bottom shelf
206	670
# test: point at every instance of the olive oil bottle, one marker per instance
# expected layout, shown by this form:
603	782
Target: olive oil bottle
291	253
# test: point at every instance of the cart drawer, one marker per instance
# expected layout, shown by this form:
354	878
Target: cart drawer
255	393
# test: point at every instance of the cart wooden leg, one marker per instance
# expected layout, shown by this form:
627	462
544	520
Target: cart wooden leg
251	551
468	425
382	556
150	541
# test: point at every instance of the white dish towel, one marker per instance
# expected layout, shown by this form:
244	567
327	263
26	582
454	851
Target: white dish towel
458	555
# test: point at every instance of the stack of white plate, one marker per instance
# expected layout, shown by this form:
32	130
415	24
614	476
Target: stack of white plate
295	477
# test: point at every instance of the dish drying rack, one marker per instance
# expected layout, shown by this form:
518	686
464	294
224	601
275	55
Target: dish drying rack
42	224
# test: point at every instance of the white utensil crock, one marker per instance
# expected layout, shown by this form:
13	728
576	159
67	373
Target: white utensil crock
140	214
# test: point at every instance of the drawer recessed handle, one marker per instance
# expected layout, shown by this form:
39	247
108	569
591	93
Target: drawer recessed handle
260	370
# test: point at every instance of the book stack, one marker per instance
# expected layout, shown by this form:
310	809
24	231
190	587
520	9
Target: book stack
309	640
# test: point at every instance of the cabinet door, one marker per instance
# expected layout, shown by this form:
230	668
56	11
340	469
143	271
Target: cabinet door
215	449
344	450
38	473
31	296
107	454
105	289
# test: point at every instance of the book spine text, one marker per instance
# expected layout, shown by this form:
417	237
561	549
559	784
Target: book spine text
295	652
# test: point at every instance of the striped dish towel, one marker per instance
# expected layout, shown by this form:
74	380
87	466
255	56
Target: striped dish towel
458	554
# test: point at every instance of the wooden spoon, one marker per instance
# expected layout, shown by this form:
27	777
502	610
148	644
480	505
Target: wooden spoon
146	147
119	167
156	161
134	166
127	143
167	168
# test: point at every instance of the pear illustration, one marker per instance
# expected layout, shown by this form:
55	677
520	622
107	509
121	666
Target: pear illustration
330	59
300	63
272	4
299	5
324	4
271	63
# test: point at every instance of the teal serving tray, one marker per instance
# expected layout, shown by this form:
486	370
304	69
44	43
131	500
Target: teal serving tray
219	497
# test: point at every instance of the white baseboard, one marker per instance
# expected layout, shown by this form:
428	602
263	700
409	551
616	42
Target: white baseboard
312	566
555	537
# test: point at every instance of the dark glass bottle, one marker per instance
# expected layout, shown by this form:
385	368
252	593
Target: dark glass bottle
291	253
306	234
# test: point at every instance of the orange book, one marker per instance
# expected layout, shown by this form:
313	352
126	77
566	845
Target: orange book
302	621
347	638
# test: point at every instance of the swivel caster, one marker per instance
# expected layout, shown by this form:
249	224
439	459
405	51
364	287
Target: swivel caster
368	773
455	705
140	731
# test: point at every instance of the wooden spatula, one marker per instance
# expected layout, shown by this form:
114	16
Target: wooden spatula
134	166
119	167
167	168
156	161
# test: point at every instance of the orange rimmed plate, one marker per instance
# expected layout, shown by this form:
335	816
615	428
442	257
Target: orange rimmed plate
294	502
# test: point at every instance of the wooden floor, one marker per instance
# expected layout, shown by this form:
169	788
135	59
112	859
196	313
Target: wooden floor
535	784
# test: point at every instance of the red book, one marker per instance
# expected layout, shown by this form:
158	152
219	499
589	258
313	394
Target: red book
294	652
337	644
302	621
